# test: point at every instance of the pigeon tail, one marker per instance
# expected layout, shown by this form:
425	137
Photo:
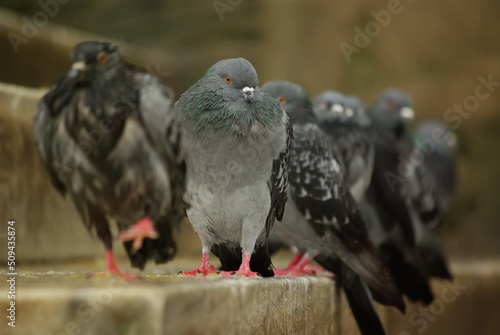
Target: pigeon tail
361	302
407	274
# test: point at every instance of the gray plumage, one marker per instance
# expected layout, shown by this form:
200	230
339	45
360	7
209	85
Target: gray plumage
237	140
321	217
402	200
356	109
437	143
349	138
110	141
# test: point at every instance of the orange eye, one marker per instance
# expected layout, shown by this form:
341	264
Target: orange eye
281	100
228	80
101	58
322	105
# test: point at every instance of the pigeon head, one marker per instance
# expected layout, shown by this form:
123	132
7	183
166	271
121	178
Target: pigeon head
287	94
355	108
91	58
293	98
236	76
330	105
392	111
228	100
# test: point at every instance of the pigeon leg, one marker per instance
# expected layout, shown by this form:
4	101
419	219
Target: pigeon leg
138	232
204	268
104	234
283	272
244	269
302	267
112	268
298	269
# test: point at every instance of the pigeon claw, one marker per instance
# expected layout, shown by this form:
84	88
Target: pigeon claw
204	268
244	269
240	273
285	272
144	228
112	268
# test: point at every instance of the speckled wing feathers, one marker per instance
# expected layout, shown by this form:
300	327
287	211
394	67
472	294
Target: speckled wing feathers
279	182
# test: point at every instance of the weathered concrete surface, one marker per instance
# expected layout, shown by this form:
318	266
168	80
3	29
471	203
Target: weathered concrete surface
171	305
64	302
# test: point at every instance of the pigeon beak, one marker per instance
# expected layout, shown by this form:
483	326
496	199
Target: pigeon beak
407	113
76	69
337	108
248	92
451	139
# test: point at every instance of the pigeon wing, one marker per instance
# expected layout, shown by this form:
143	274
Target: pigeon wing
279	181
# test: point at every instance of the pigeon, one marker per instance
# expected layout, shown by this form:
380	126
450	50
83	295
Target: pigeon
237	140
403	194
356	109
352	142
110	141
437	144
321	217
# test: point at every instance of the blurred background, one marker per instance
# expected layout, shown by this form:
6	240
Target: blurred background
433	50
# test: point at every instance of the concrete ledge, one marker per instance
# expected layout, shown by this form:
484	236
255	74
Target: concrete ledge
171	305
65	302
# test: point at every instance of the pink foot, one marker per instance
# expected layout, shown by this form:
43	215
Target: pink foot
244	269
112	268
298	269
283	272
204	268
138	232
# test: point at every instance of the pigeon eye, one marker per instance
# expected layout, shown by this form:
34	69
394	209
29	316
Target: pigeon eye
228	80
101	58
322	105
281	100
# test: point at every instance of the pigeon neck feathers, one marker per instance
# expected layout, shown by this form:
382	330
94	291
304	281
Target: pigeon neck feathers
228	102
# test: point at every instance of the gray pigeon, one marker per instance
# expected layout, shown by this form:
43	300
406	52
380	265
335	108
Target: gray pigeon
352	142
404	197
110	140
322	218
356	109
437	143
237	140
